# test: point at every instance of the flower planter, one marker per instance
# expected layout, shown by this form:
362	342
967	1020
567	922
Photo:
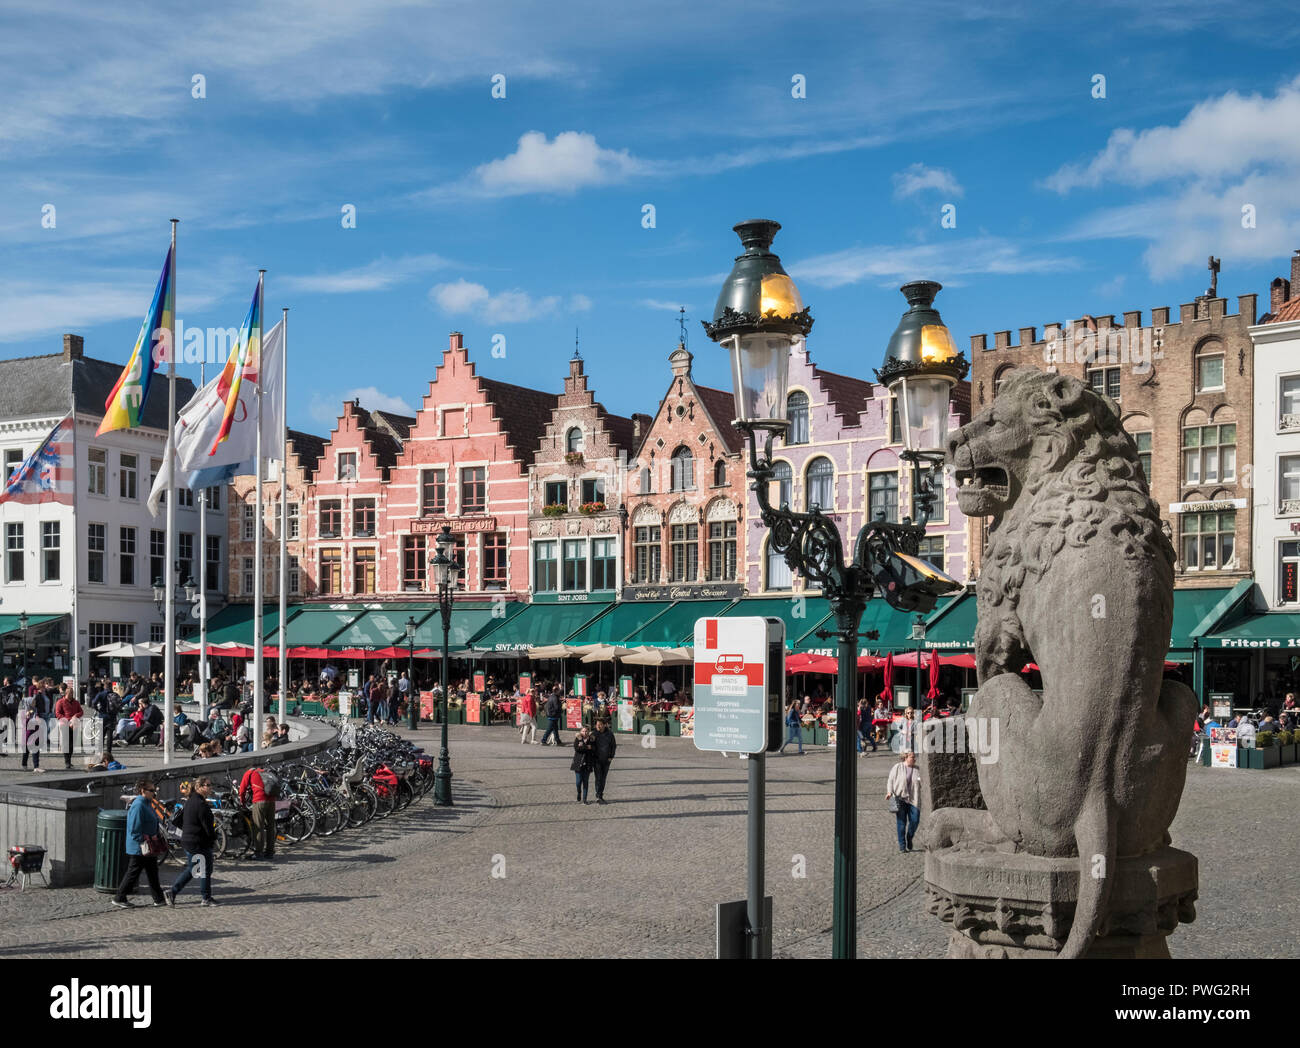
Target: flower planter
1259	760
674	727
820	737
1287	754
656	724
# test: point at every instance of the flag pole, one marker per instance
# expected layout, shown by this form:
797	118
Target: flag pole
74	652
203	580
259	698
283	668
169	573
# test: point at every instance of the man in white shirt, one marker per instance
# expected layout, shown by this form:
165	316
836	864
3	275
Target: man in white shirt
904	789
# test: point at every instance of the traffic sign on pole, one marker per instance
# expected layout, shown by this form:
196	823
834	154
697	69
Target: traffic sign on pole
739	682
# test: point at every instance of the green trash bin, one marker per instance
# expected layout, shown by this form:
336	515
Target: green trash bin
110	849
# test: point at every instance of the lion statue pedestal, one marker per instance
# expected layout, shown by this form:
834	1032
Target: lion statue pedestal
998	905
1056	841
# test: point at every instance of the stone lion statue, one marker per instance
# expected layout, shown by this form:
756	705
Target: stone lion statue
1078	578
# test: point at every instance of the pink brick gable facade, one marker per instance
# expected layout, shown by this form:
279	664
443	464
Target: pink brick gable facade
465	463
848	450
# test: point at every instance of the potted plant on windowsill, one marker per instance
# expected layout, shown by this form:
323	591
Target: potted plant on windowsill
592	507
556	509
573	458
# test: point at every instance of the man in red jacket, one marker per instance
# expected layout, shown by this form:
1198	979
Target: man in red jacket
68	713
263	808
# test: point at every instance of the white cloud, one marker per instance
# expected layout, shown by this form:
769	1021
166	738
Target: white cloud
326	408
889	263
918	178
378	275
1220	138
570	161
502	307
661	303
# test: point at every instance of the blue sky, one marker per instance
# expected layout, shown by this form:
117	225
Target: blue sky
522	216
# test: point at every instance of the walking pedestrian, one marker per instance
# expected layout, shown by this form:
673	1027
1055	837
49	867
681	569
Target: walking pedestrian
259	789
31	727
379	699
603	749
198	834
583	761
865	733
793	728
903	792
554	707
68	712
403	693
907	732
527	719
142	846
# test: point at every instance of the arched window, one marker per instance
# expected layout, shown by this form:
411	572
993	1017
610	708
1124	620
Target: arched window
573	442
645	480
1209	366
683	470
719	473
778	571
999	377
781	480
820	484
796	413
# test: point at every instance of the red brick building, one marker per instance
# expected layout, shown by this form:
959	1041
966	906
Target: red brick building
686	496
304	451
465	463
348	508
577	495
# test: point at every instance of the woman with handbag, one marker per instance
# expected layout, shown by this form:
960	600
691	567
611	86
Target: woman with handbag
144	844
903	792
583	761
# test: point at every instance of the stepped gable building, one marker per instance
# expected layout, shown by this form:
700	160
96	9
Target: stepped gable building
347	529
1185	390
576	513
686	496
840	452
464	463
304	454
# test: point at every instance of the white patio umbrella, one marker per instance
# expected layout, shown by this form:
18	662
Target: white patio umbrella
659	657
552	651
126	651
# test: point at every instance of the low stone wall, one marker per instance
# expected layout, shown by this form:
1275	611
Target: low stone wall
60	813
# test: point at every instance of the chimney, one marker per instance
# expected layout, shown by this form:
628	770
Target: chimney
1278	292
72	347
456	340
1295	270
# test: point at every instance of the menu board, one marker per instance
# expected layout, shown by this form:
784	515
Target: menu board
427	705
473	709
573	713
626	716
1223	756
480	682
525	683
686	717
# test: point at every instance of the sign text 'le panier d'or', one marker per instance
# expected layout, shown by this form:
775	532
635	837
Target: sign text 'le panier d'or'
433	525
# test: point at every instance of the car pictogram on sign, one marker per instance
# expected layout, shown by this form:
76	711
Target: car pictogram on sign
730	664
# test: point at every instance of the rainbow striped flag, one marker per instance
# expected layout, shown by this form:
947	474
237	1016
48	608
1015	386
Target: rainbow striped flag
125	405
48	473
242	365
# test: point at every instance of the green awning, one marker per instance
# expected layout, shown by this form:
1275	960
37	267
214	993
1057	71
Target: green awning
802	616
1270	629
317	627
1190	608
234	622
894	629
676	626
9	623
620	622
536	626
380	627
468	620
951	626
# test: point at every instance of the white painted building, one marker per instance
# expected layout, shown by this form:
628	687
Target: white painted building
101	554
1276	480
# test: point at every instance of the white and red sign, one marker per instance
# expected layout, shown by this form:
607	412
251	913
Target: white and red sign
731	684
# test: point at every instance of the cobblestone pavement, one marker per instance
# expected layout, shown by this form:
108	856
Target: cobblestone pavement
638	877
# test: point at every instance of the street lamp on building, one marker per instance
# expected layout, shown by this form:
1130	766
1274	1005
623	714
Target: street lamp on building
412	695
446	571
758	317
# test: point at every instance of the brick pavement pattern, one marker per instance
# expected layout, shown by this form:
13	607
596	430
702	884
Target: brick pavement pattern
518	868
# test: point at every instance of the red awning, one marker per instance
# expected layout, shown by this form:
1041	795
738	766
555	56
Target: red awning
805	663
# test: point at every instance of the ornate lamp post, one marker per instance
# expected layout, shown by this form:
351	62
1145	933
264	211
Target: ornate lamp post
413	696
758	316
23	619
445	573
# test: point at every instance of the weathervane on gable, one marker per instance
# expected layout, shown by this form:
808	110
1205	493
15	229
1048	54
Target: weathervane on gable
681	323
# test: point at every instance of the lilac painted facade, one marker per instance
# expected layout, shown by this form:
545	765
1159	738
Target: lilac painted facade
844	456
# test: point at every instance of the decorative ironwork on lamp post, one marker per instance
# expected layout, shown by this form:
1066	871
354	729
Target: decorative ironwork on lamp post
446	571
758	316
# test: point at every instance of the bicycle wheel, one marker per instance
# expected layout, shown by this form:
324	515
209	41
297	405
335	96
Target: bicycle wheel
383	802
329	816
300	824
361	806
219	845
175	853
405	795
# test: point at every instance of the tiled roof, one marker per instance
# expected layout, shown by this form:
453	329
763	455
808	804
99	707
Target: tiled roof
847	395
35	386
721	407
1289	310
308	447
398	426
522	414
